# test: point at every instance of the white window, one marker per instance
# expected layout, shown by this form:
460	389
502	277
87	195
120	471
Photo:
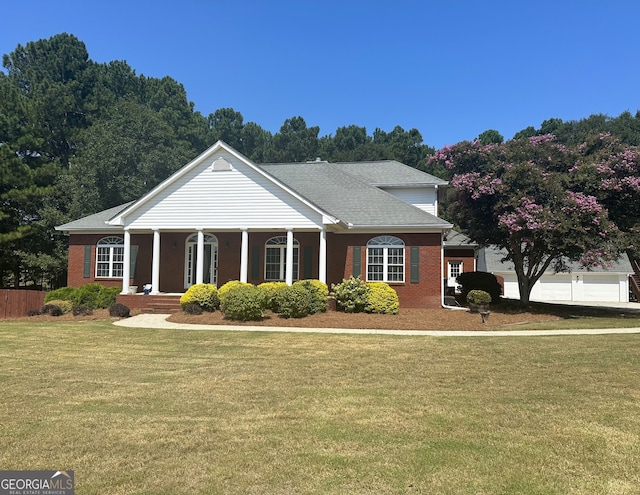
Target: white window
210	274
385	259
110	257
455	269
275	258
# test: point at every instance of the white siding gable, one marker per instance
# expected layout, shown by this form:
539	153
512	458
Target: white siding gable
222	192
425	198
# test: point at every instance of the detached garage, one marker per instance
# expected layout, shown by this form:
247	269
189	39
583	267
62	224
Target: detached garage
580	285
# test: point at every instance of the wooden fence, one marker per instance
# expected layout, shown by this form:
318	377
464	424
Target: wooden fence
15	303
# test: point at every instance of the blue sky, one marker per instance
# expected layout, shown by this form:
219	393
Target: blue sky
451	69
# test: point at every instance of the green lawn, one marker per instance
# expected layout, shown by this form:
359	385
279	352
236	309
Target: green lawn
202	412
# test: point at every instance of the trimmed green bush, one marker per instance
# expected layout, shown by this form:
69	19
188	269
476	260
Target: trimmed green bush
95	296
296	301
382	298
271	290
244	302
65	306
480	281
319	292
232	284
51	309
204	295
478	297
61	294
82	311
351	295
119	310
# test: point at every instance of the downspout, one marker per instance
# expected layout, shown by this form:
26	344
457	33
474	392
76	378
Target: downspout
442	288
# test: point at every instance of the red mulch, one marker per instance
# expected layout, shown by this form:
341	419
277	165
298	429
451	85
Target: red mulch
406	319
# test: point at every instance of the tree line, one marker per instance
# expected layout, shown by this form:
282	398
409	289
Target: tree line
77	137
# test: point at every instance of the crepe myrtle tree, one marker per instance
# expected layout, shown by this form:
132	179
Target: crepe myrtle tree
518	196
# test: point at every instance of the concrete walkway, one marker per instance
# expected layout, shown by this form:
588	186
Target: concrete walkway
159	321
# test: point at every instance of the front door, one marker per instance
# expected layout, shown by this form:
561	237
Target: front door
210	274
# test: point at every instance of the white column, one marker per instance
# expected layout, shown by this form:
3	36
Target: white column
322	255
200	258
126	275
155	270
289	266
244	256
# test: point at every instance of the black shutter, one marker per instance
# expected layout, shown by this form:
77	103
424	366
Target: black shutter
414	263
357	261
87	262
132	261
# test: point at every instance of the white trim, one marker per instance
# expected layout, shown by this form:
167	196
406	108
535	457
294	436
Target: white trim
244	256
322	256
289	263
126	270
155	270
200	258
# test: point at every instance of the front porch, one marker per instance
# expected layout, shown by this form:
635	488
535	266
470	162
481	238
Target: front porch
157	303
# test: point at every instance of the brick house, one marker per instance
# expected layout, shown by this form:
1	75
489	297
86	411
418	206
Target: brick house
222	217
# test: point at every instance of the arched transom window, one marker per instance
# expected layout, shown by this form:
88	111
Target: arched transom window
275	258
385	259
110	257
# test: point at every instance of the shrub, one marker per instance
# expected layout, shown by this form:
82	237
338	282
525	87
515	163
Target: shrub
192	309
271	290
204	295
33	312
119	310
82	311
299	300
319	292
51	309
95	296
478	297
243	302
480	281
351	295
382	298
232	284
65	306
61	294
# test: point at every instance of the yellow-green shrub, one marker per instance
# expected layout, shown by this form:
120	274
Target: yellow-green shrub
382	298
204	295
271	290
230	285
319	291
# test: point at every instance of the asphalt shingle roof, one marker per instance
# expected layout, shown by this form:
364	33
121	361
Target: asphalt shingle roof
490	260
347	192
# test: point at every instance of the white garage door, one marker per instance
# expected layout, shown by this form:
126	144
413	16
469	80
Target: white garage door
553	288
601	288
569	287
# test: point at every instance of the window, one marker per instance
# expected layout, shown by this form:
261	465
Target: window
210	273
275	258
110	257
455	269
385	259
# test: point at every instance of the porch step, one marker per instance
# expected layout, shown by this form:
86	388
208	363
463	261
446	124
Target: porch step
151	304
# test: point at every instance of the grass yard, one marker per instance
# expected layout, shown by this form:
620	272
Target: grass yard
200	412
